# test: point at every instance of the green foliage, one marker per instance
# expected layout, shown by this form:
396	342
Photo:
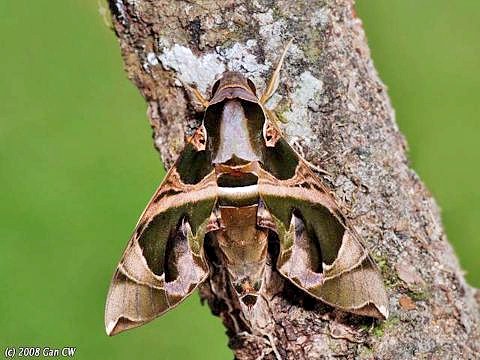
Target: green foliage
77	165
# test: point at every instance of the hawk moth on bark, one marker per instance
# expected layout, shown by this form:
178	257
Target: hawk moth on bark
239	182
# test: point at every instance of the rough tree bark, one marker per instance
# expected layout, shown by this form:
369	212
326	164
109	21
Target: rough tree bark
339	116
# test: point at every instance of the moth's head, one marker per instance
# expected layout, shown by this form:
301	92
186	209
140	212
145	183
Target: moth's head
233	85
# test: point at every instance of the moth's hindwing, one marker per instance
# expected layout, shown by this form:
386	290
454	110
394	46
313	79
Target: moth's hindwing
319	251
164	261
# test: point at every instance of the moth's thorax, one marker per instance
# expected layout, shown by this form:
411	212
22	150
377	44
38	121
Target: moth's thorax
234	135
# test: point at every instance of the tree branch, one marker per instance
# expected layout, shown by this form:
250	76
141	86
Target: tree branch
339	117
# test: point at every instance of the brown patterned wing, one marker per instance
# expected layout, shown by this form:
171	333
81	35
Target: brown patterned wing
319	251
164	261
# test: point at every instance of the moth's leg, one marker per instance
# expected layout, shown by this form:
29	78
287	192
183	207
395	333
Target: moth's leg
319	170
271	342
264	218
275	80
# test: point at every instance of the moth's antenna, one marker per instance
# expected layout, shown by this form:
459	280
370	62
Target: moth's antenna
275	80
197	94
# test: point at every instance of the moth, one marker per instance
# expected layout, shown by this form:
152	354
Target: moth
239	183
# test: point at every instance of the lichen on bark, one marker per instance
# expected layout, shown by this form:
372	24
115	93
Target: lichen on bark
339	117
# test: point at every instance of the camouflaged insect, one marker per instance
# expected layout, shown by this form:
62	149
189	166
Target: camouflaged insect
239	183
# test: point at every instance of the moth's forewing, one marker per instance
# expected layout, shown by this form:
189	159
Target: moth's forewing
164	260
319	251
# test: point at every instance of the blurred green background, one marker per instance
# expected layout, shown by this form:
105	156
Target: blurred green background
77	164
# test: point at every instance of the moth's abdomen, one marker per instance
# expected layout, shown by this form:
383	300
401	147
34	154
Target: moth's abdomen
244	249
